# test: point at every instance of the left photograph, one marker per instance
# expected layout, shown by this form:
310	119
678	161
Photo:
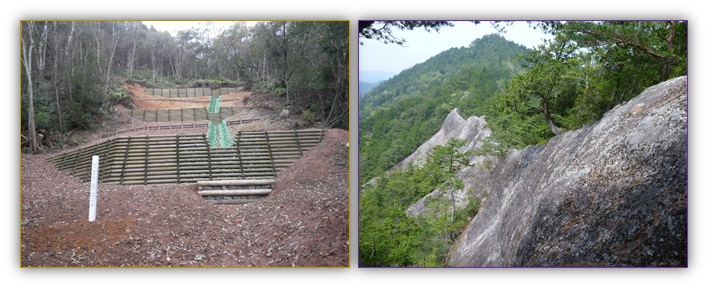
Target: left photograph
184	143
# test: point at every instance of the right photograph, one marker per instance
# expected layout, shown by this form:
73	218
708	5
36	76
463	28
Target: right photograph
523	143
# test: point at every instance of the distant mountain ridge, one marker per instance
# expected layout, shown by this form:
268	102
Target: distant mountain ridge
373	76
365	87
489	51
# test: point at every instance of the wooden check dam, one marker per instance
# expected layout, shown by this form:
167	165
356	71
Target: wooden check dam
243	172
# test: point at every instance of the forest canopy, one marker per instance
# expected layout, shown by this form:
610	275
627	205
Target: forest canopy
586	70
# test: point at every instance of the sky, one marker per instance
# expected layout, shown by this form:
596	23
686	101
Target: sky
421	45
174	26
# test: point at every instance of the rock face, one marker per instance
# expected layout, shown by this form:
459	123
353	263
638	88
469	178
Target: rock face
613	193
474	130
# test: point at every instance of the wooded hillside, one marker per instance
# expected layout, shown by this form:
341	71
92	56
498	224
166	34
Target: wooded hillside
401	113
71	70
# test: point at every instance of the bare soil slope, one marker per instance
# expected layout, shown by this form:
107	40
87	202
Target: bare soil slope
303	222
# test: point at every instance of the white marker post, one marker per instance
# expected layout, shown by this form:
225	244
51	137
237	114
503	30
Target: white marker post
93	189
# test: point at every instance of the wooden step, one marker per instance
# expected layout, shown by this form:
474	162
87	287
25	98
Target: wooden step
251	192
236	182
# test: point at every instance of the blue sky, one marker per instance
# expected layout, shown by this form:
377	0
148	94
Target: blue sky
421	45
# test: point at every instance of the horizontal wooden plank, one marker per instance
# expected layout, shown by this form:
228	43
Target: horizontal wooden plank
235	192
235	182
233	201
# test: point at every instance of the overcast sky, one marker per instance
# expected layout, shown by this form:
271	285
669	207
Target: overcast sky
174	26
421	45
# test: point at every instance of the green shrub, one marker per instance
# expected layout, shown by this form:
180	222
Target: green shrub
309	115
279	91
118	96
213	83
388	237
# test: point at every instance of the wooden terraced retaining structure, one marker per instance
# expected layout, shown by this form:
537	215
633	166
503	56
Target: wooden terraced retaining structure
188	158
174	126
187	100
189	92
184	114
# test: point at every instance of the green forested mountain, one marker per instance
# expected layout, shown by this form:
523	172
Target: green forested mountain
566	83
365	87
401	113
492	51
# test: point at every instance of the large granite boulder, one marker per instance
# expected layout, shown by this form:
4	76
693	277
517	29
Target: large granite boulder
613	193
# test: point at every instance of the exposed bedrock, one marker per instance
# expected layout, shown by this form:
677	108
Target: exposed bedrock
613	193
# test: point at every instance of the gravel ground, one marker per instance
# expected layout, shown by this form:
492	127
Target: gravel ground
303	222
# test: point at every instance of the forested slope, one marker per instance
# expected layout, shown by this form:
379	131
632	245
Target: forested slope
401	113
72	71
365	87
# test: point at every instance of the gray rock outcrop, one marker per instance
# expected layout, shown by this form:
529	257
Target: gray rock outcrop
613	193
475	131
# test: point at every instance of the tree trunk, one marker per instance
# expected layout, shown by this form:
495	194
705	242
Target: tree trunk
452	206
97	38
133	36
27	62
42	51
153	66
67	50
668	61
177	64
264	65
547	116
284	52
117	37
55	80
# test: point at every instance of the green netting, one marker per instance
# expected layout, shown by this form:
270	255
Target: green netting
225	139
211	136
218	135
214	106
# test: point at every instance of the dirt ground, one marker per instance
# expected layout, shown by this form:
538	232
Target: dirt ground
303	222
141	100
